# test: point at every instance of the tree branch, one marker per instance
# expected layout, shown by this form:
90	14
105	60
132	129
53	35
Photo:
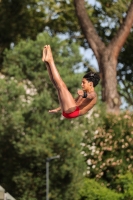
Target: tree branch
121	36
88	29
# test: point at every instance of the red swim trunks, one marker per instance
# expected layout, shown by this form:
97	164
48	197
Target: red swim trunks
73	114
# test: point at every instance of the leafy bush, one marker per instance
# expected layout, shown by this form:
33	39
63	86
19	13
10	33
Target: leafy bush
91	190
125	185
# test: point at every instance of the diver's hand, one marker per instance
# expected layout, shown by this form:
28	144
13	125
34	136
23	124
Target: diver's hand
80	92
53	111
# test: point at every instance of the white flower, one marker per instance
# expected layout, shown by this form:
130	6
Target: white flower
89	161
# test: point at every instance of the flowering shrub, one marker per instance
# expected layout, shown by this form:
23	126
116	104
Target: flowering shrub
109	152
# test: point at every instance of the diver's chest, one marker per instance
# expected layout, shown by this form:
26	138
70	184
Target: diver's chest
83	101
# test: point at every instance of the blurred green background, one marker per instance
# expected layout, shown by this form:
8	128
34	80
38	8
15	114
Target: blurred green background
96	150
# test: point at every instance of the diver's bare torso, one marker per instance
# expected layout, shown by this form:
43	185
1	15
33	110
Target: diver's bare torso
85	104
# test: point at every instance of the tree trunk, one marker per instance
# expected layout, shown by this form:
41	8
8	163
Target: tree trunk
109	83
106	56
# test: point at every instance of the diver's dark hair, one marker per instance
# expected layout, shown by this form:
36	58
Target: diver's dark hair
92	77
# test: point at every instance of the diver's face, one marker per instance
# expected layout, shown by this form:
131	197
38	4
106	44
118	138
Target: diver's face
86	85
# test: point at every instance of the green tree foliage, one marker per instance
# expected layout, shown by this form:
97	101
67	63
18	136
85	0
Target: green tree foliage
108	146
125	72
11	126
91	190
39	134
22	18
61	18
107	17
124	184
19	19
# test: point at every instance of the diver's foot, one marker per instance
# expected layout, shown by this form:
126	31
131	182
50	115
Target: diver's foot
44	53
48	55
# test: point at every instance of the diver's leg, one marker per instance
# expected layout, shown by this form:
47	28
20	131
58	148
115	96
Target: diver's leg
67	102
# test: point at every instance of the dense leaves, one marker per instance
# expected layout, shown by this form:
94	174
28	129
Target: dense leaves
95	191
125	71
19	19
31	134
